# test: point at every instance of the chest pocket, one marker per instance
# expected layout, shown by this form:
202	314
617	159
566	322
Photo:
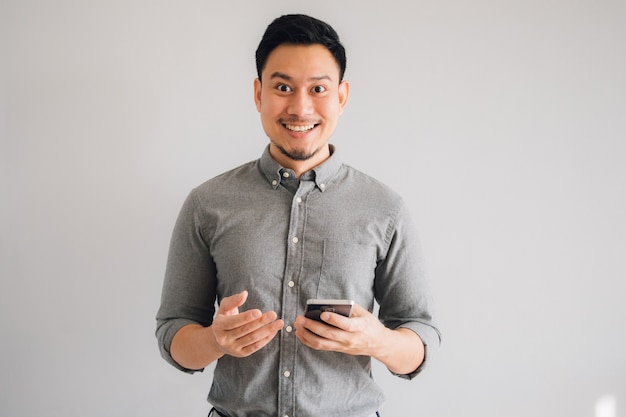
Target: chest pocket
339	269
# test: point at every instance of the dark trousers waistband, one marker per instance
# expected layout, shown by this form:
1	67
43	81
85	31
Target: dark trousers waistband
215	413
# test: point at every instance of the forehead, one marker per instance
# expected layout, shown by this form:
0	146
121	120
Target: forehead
301	61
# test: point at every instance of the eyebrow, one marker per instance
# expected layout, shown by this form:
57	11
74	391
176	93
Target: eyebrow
290	78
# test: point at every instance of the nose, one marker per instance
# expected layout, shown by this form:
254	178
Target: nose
300	104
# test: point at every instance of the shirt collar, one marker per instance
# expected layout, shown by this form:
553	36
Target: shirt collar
322	174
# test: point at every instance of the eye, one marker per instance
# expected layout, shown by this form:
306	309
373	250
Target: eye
319	89
283	88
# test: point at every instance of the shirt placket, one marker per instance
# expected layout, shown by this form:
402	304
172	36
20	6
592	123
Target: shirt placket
291	280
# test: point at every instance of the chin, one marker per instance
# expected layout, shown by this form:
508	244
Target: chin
298	154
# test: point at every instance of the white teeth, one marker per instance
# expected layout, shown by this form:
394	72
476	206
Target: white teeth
296	128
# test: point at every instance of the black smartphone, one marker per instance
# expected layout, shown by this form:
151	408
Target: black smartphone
315	307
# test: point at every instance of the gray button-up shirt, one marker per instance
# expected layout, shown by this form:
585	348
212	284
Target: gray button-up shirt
333	233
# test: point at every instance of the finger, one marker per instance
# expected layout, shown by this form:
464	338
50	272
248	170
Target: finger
256	340
316	330
233	322
248	322
315	341
268	331
312	325
230	305
335	319
229	331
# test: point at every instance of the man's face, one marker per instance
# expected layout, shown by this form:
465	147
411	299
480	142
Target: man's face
300	100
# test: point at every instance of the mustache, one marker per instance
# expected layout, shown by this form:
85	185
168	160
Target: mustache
297	120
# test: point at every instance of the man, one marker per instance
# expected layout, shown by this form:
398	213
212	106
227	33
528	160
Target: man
294	225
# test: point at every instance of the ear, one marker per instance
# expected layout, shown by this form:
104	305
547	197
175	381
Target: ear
257	94
344	93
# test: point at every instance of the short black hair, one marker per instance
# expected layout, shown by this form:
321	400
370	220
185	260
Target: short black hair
299	29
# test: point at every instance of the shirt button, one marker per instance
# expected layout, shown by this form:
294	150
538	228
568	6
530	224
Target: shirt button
274	182
298	200
322	186
291	284
289	329
286	174
286	374
294	240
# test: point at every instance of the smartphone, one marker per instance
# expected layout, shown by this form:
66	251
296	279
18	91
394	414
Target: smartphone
315	307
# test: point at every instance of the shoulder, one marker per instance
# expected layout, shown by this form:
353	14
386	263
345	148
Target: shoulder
362	184
229	181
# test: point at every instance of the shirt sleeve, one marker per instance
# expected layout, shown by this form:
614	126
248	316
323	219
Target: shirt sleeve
401	287
189	287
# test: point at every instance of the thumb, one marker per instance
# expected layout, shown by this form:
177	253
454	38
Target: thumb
230	305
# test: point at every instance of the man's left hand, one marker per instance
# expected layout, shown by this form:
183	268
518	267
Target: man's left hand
401	350
360	334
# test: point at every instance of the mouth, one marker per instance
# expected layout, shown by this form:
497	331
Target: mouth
299	128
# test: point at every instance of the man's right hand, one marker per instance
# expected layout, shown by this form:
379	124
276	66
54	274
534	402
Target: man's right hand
241	334
231	333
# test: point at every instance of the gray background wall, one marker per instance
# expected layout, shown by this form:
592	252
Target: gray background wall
502	122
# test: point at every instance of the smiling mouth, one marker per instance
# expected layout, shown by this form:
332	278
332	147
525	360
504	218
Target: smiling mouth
299	128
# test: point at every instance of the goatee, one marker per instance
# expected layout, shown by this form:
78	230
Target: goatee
296	155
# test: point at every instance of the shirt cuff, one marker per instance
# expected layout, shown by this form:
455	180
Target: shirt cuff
430	337
165	332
